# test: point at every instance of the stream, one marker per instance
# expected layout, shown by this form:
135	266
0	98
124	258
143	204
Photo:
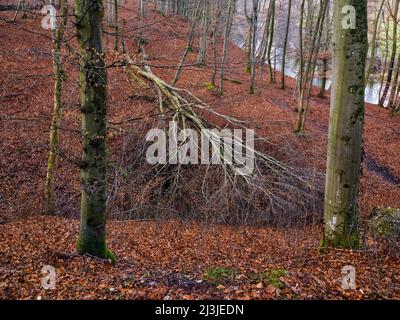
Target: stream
239	35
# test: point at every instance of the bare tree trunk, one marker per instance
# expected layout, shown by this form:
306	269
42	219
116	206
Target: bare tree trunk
21	6
116	27
254	21
310	70
189	44
57	38
228	25
393	56
271	40
201	59
283	86
373	42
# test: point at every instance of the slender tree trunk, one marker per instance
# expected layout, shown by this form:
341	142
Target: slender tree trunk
254	21
21	6
306	87
385	60
346	121
271	40
373	42
201	59
301	48
265	39
283	86
321	93
214	44
57	38
325	57
393	90
189	44
227	31
116	26
93	91
393	56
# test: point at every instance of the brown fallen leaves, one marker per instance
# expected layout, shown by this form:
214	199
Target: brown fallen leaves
172	260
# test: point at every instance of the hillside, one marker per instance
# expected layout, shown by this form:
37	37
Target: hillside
172	259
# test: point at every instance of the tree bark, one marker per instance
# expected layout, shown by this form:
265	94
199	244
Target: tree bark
346	121
57	38
283	85
93	92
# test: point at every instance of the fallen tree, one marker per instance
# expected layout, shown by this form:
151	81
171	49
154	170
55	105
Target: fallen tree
273	192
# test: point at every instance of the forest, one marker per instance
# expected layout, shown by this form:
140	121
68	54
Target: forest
199	150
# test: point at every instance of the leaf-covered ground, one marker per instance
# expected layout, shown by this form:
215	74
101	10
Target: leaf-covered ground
173	259
176	260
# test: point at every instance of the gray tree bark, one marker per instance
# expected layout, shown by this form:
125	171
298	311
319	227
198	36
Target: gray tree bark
346	121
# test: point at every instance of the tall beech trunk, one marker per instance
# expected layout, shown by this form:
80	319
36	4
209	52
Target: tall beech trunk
93	92
346	121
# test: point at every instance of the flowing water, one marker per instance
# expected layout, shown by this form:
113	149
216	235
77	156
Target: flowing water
239	37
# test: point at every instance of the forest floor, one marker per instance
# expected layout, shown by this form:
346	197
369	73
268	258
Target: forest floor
172	259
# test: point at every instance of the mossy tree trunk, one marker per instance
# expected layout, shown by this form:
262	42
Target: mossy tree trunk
253	47
345	128
271	41
116	26
93	91
57	38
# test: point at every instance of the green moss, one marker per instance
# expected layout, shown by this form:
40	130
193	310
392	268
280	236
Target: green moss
385	222
219	274
274	276
209	86
339	240
270	277
110	256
